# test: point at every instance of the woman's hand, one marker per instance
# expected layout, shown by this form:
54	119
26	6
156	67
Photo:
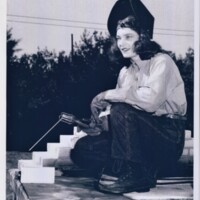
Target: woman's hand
97	105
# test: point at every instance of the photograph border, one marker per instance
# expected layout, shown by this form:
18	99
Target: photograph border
196	175
3	11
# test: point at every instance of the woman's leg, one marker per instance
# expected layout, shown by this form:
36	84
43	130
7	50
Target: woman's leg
92	152
142	141
140	137
126	137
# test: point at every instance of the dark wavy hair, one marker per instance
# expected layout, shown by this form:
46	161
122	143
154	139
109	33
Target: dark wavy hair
144	47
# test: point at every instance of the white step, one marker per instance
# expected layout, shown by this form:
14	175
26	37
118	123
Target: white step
71	140
188	143
185	152
64	157
39	157
48	162
38	175
75	130
64	161
55	148
67	140
64	152
187	156
27	163
79	133
191	152
188	134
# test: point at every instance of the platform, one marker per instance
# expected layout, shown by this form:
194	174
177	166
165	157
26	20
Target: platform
174	183
64	188
82	188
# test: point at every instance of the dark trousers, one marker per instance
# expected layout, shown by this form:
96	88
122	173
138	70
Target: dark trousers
134	136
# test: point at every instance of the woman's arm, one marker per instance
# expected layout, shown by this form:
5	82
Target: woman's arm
149	96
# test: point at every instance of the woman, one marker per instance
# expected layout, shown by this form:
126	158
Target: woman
146	129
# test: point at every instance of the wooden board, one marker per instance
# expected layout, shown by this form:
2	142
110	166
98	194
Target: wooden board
65	188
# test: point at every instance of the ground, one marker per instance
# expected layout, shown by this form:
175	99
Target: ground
184	190
11	162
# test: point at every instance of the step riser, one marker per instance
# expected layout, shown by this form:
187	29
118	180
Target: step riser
64	152
70	140
39	157
67	140
189	143
188	134
57	148
27	163
38	175
48	162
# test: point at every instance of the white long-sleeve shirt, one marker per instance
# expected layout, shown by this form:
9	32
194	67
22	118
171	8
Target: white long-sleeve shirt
154	87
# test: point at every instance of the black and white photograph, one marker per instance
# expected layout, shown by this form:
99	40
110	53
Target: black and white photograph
101	100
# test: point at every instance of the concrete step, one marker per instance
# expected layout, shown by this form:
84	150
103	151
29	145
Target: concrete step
63	162
188	151
58	149
44	158
78	132
62	153
185	152
44	162
188	143
38	175
49	162
27	163
39	162
188	134
70	140
67	140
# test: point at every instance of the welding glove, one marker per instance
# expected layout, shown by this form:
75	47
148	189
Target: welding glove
98	104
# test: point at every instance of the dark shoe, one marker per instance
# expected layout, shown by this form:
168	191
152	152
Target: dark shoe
133	179
116	168
112	170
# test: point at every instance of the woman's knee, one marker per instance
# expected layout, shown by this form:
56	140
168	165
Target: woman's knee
119	108
122	111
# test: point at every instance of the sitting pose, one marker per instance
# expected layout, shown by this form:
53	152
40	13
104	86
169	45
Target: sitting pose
147	108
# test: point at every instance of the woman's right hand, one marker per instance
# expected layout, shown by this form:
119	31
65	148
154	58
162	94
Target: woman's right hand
97	105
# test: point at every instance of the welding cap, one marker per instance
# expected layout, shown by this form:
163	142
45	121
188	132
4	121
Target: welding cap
135	8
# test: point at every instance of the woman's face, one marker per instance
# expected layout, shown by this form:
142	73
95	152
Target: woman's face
126	38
